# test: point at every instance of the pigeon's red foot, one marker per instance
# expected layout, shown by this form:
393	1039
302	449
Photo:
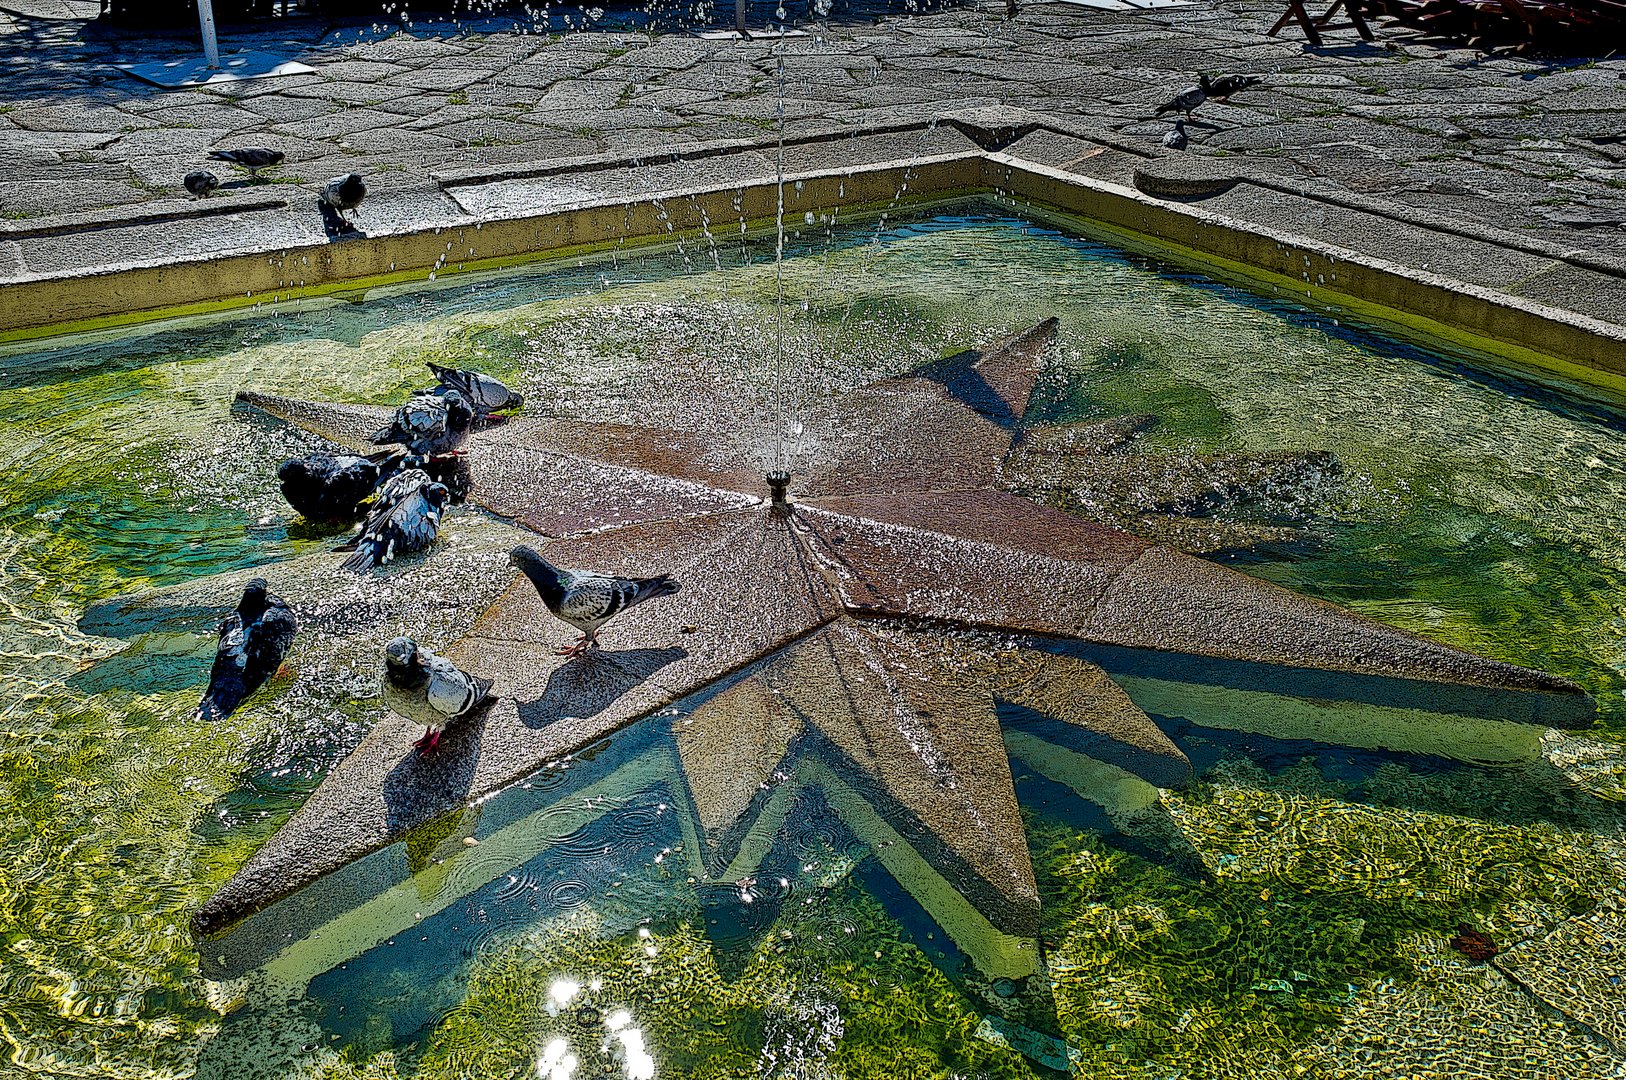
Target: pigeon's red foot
427	744
577	649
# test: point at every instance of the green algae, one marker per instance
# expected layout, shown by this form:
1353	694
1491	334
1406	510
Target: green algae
833	989
1311	901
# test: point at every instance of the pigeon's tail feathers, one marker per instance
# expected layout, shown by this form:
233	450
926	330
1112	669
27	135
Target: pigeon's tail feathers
1167	106
222	155
362	559
482	693
384	435
218	703
650	588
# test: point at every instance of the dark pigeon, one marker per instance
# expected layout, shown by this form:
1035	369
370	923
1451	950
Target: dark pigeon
328	487
406	518
1222	88
584	600
429	689
253	641
430	424
252	158
343	194
201	183
486	394
1177	139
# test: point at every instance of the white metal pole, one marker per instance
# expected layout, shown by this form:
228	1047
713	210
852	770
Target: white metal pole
206	20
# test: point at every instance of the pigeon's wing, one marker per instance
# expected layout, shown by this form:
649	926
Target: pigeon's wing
268	640
451	691
590	599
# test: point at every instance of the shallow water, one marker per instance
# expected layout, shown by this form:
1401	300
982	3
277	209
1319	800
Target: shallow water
1285	909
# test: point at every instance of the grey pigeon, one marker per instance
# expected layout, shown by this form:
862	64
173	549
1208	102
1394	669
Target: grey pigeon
253	641
1222	88
1176	139
343	193
405	519
429	689
328	487
1185	101
252	158
430	424
585	600
486	394
201	183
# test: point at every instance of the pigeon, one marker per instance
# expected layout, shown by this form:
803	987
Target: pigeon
405	519
586	601
253	641
328	487
1176	139
252	158
201	183
343	193
1222	88
486	394
430	424
429	689
1185	101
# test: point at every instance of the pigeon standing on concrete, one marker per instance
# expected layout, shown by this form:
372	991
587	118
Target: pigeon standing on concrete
252	158
430	424
253	641
405	519
201	183
343	194
327	487
429	689
1185	101
1176	139
1222	88
584	600
486	394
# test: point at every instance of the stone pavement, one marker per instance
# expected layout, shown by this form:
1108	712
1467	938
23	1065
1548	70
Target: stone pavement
1537	148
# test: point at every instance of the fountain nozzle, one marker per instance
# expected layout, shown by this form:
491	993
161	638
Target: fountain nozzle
777	482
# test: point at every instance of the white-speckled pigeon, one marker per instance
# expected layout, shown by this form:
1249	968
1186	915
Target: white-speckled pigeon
201	183
405	519
1185	101
430	424
252	158
486	394
584	600
327	487
343	194
429	689
253	641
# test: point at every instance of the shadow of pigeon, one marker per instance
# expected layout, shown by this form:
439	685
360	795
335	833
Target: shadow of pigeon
336	227
414	791
588	684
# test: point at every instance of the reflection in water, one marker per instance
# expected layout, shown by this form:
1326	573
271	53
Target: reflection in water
1285	913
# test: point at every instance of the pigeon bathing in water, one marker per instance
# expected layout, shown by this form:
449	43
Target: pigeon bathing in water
429	689
1176	139
405	519
486	394
430	424
586	601
343	193
252	158
253	641
327	487
201	183
1222	88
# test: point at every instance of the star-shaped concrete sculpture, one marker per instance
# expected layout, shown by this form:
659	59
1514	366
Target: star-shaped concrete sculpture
886	626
